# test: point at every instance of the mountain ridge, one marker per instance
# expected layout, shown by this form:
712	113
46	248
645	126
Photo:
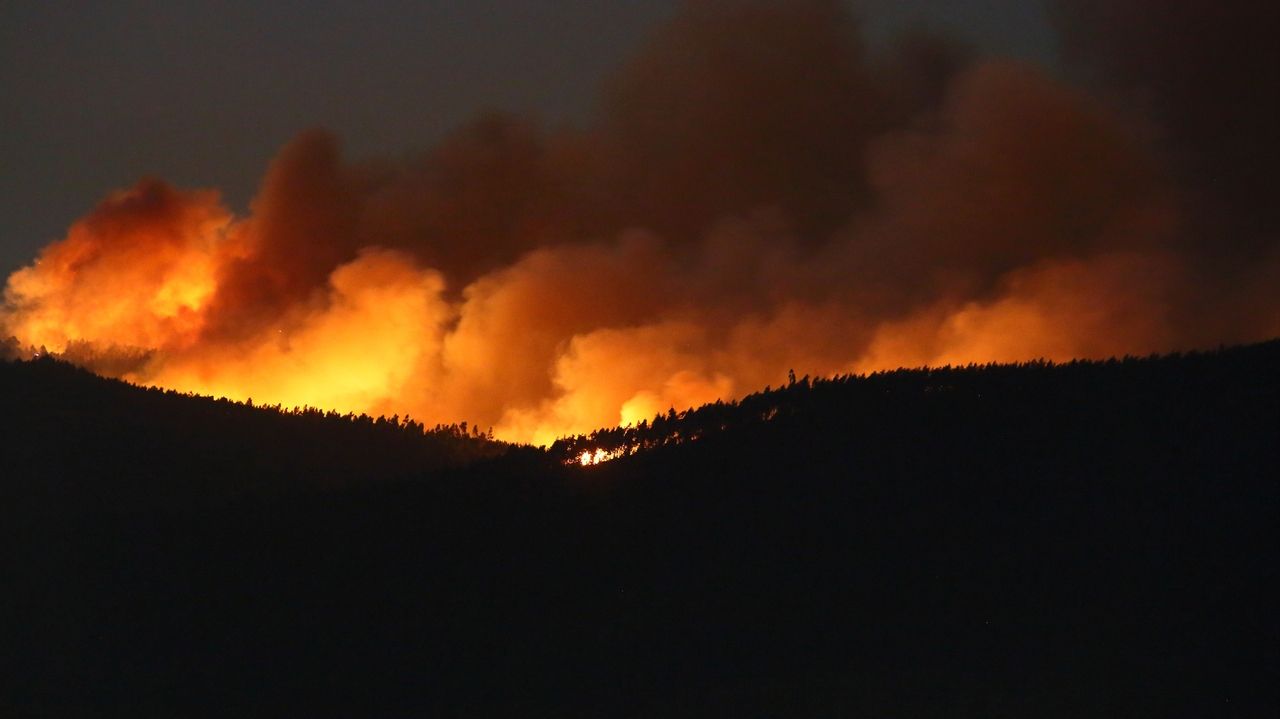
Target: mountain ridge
1048	540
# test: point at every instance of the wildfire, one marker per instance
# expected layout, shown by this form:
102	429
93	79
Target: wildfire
599	456
719	224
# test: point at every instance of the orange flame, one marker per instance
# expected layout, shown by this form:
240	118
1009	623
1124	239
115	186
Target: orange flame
729	218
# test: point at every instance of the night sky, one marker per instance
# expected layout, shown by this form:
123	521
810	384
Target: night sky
94	95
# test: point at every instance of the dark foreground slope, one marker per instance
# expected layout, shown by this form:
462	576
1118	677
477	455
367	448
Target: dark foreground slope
74	441
1081	540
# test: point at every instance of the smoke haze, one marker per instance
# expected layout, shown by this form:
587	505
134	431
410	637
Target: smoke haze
757	193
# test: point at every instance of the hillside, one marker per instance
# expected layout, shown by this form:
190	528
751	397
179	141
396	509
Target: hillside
1089	539
111	445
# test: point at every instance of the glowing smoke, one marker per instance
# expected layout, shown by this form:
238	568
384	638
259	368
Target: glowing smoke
757	194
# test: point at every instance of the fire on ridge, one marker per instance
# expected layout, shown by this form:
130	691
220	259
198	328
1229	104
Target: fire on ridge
725	217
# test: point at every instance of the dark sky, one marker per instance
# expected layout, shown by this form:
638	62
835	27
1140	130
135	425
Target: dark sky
94	95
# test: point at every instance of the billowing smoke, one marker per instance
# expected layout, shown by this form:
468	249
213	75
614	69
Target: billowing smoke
758	192
1201	72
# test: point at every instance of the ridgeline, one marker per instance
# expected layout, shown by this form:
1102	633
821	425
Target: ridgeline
1082	539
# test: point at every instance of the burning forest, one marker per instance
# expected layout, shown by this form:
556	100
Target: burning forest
758	190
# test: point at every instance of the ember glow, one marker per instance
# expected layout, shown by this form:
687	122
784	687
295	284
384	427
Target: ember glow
757	194
599	456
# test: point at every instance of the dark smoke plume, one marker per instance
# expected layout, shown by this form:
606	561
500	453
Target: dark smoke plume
757	192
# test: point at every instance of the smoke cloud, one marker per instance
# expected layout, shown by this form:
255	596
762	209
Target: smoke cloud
757	193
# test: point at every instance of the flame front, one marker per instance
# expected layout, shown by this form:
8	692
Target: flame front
719	224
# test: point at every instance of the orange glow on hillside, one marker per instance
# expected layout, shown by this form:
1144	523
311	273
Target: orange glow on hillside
599	456
717	227
564	340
